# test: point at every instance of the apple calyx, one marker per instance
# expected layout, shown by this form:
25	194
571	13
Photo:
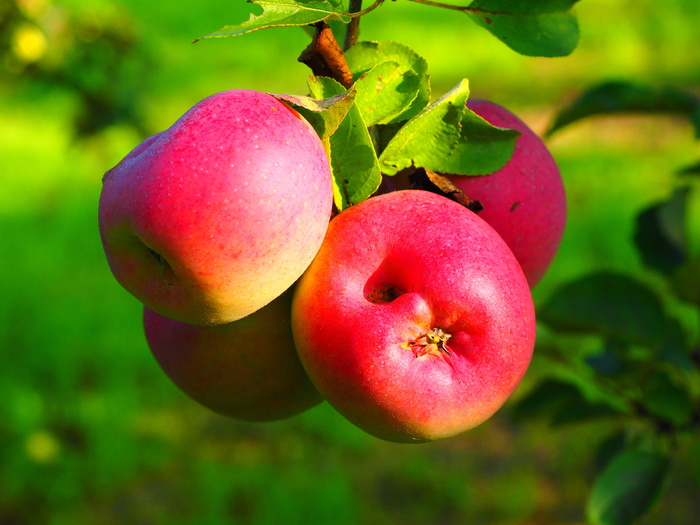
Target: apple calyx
430	343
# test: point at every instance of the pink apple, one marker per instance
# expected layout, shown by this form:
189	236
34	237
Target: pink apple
247	370
211	219
524	201
414	320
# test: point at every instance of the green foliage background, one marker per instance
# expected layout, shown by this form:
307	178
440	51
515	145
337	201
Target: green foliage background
92	432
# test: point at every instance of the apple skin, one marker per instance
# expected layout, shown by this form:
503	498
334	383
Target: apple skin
395	267
524	201
247	370
211	219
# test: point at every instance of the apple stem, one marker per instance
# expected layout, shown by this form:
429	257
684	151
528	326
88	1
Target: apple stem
324	56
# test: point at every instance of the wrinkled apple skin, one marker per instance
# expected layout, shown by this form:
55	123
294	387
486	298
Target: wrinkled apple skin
392	268
211	219
524	201
247	370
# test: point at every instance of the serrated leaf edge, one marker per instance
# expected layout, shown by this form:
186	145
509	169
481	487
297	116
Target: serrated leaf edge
231	31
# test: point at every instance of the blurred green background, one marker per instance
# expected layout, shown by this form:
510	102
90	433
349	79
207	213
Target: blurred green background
92	432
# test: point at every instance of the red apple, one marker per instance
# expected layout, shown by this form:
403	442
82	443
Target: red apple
524	201
247	370
415	320
211	219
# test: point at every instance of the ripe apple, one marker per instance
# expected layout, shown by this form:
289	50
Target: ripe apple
211	219
414	320
525	200
247	370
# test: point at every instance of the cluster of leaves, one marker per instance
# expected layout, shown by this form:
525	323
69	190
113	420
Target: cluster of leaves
646	371
542	28
385	123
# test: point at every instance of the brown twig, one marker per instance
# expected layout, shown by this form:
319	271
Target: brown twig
324	56
423	179
353	30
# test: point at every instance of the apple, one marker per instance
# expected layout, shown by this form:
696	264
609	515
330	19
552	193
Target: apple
211	219
247	370
524	201
415	320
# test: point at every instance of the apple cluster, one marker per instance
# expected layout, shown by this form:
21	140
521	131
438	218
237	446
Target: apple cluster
408	312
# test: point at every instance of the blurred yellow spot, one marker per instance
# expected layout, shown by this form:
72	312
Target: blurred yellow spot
29	43
42	447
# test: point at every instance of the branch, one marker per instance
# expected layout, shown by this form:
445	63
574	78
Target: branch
358	14
353	31
422	179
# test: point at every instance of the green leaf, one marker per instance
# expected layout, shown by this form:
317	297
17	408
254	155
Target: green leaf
666	400
608	304
692	169
542	28
626	97
667	238
674	347
609	448
482	148
548	396
608	361
364	56
562	402
694	456
429	137
385	92
581	410
686	281
619	308
325	115
627	488
660	233
284	13
354	162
